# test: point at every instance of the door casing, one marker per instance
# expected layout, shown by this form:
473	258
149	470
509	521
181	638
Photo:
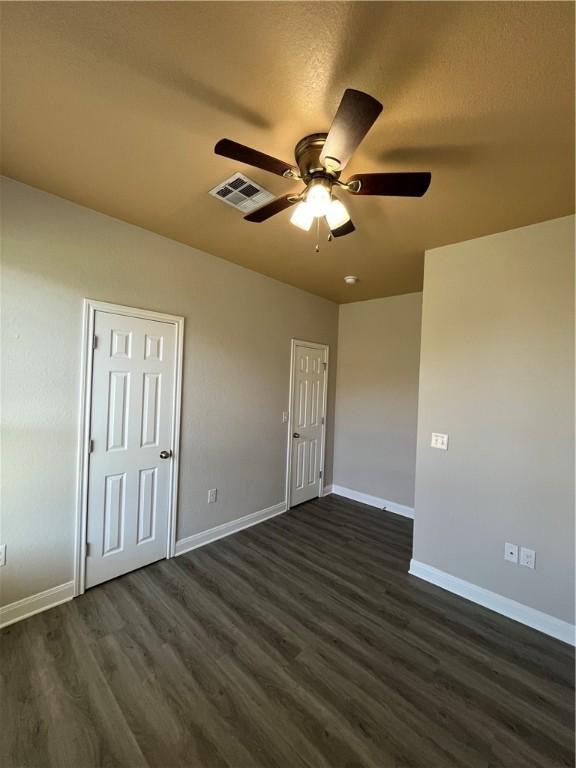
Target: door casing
314	345
91	306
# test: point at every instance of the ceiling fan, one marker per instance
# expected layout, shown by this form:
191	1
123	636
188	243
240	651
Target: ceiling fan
320	159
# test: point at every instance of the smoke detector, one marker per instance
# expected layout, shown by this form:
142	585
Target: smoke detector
351	279
242	193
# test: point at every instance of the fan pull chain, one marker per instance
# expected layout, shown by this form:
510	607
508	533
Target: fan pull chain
329	231
318	235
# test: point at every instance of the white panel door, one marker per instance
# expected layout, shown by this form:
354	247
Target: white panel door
308	402
131	430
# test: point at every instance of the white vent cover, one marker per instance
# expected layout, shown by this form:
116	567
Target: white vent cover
242	193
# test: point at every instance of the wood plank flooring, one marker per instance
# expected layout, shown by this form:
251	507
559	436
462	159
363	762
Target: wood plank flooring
301	642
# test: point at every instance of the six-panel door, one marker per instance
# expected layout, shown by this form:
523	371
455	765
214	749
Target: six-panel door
131	425
307	411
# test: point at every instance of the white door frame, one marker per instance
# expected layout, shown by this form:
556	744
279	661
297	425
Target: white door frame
314	345
90	308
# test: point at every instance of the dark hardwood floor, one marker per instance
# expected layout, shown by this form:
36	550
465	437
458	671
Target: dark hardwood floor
299	642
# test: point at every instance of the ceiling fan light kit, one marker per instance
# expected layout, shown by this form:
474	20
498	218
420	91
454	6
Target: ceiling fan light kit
302	216
320	159
318	197
337	215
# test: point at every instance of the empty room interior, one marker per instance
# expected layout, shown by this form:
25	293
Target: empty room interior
287	323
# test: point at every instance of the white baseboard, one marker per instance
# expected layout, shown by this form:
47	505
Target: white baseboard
28	606
226	529
543	622
373	501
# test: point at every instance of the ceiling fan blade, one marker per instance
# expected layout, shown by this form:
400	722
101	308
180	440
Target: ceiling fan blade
392	184
345	229
355	116
235	151
272	208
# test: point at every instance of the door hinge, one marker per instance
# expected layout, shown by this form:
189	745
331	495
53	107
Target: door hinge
325	365
320	475
88	549
322	420
90	446
94	341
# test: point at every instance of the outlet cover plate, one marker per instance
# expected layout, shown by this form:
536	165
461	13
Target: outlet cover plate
439	441
527	557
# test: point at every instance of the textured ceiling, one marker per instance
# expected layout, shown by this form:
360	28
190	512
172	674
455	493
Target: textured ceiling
117	106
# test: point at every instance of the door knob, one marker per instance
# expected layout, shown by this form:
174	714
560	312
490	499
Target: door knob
165	454
296	434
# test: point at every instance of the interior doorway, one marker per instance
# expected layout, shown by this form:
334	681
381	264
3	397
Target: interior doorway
129	441
307	422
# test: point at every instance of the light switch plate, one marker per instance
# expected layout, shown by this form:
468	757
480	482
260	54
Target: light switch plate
527	557
511	552
439	441
284	417
212	495
2	554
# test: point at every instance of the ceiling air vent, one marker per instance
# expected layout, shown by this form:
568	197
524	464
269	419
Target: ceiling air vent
242	193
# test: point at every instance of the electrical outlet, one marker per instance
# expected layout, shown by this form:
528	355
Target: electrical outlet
212	494
284	417
439	441
511	552
2	555
527	557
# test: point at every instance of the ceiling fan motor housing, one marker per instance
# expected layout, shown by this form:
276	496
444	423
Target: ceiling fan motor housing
307	154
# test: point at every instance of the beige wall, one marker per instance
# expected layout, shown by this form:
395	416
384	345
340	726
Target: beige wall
236	372
497	375
377	397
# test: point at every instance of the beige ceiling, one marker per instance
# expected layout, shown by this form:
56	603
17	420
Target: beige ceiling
117	106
